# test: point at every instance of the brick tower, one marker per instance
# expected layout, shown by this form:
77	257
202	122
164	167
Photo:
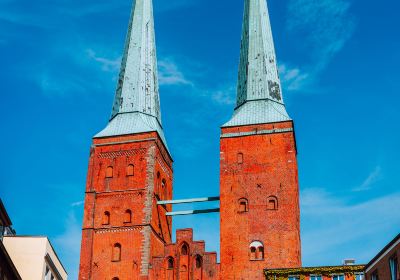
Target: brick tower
260	216
130	169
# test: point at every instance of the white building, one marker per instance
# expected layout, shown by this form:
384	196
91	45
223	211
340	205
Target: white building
34	258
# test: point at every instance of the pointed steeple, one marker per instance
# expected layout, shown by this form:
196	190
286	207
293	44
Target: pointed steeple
259	92
136	105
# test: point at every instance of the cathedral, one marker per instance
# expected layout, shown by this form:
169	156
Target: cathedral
127	226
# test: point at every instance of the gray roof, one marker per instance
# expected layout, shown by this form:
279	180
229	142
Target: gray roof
259	92
136	105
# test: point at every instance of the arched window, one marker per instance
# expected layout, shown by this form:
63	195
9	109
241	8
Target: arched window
170	263
109	172
272	203
184	250
128	216
256	251
106	218
199	261
240	158
116	255
243	205
130	170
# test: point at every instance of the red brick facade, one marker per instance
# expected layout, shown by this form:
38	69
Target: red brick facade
385	263
186	259
260	216
123	228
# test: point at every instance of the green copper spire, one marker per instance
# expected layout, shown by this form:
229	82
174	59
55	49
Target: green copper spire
136	107
259	92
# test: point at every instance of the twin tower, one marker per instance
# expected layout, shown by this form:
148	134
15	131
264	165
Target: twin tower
128	235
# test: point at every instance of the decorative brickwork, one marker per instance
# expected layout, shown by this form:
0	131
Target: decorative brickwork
260	169
113	245
185	260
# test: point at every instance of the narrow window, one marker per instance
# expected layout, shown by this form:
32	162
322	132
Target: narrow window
243	205
106	218
374	275
272	203
130	170
116	256
199	262
393	268
315	277
170	263
128	216
294	278
359	276
164	189
184	250
253	253
109	172
338	277
240	158
260	253
115	278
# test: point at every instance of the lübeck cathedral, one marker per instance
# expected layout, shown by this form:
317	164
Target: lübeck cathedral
127	226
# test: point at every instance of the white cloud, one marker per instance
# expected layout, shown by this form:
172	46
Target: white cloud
69	244
331	222
170	74
325	27
372	178
107	65
292	77
77	203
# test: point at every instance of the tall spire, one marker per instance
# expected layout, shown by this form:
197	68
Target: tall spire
136	105
259	92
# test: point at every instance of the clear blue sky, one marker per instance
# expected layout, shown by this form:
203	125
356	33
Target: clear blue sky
339	62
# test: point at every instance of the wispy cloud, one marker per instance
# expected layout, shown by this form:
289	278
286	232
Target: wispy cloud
170	74
107	65
69	245
372	178
331	222
77	203
325	26
292	77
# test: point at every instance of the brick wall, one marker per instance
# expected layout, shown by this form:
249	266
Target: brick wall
123	228
380	265
259	168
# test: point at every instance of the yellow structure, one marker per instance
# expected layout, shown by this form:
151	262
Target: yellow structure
34	258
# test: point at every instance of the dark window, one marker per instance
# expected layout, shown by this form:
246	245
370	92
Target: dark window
239	158
393	268
184	250
170	263
199	261
128	216
272	203
243	205
106	218
116	256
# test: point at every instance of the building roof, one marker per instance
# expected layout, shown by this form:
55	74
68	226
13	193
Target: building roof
5	219
259	92
319	270
136	106
383	252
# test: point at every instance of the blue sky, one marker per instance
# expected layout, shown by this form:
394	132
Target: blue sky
339	66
